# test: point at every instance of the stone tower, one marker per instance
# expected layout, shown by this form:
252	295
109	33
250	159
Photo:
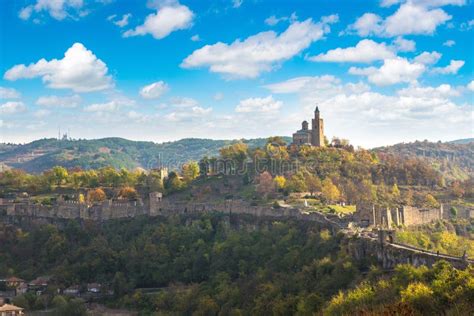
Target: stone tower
317	136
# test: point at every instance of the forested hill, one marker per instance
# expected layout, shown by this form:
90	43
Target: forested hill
454	159
44	154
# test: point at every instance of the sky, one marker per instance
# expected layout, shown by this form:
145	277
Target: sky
381	72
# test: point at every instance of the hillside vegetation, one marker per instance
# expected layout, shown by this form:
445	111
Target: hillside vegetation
44	154
454	159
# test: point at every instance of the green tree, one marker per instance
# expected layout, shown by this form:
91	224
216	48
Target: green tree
190	171
60	175
329	191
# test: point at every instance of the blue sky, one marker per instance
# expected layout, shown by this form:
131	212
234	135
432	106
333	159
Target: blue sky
381	72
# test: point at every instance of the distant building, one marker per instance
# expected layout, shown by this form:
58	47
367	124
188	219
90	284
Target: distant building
313	136
10	310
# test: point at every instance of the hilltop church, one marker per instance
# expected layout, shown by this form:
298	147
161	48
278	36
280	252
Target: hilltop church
313	136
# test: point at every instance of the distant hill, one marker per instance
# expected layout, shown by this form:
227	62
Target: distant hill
454	159
462	141
44	154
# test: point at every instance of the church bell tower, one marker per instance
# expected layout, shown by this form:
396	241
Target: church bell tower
317	137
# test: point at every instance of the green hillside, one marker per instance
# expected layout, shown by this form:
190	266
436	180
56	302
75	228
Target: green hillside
118	152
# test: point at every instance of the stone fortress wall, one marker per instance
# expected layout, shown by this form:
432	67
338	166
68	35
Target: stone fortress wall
386	217
388	253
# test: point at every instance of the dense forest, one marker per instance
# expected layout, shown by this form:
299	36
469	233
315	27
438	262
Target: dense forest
216	265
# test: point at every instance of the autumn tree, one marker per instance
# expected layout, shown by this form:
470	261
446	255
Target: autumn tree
330	192
128	193
96	195
313	183
280	182
265	184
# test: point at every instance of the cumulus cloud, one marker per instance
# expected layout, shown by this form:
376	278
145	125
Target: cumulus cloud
365	51
273	20
195	112
167	19
404	45
470	85
452	68
122	22
441	91
154	90
258	105
12	107
352	111
57	9
428	58
80	70
59	102
449	43
195	38
427	3
258	53
183	102
410	18
392	71
9	93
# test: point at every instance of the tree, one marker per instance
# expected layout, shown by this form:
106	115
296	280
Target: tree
128	193
96	195
313	183
81	199
454	211
430	201
190	171
297	183
330	191
265	183
280	182
59	175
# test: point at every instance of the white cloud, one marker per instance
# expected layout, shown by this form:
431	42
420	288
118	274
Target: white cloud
41	113
442	91
273	20
120	22
195	38
452	68
183	102
9	93
365	51
196	112
404	45
237	3
427	58
470	85
57	9
392	71
258	53
258	105
114	105
12	107
79	70
427	3
167	19
368	118
154	90
408	19
449	43
60	102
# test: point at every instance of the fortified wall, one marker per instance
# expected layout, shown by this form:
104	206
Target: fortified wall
386	217
387	252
